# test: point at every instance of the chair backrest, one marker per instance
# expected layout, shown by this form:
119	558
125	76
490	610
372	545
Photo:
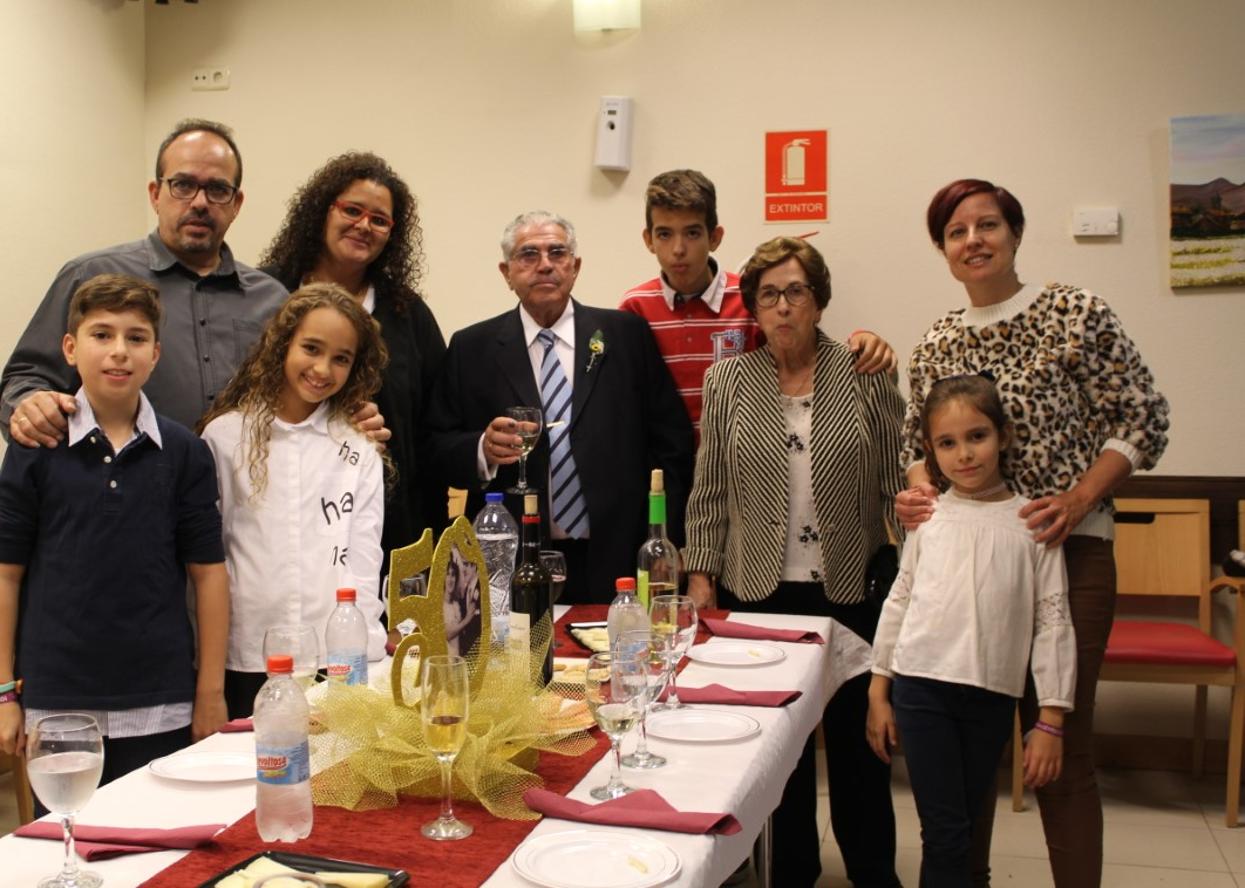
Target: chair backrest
1240	524
1162	547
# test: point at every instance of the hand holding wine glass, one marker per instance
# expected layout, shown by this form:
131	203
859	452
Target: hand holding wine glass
674	622
528	423
614	689
444	707
65	757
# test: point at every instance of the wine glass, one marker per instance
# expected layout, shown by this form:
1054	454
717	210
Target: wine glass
443	709
642	642
555	563
300	641
614	689
674	622
65	757
528	422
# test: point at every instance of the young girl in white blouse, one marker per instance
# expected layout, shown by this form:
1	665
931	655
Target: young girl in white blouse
977	605
301	490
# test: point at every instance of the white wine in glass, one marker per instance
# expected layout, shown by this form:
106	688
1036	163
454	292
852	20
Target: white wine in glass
65	757
528	424
444	708
643	643
615	691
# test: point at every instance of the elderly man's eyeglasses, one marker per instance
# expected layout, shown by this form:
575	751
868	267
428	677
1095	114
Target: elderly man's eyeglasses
183	188
356	213
529	257
796	294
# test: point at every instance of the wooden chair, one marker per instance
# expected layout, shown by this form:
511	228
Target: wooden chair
21	787
1162	548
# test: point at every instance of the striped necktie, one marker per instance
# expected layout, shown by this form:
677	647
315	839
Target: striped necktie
570	509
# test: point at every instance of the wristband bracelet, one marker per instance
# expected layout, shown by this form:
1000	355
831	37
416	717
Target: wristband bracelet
1047	728
8	697
15	685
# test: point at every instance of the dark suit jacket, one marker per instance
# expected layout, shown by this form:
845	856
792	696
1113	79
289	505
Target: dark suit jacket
627	419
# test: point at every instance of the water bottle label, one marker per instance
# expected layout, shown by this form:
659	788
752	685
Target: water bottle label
283	765
347	668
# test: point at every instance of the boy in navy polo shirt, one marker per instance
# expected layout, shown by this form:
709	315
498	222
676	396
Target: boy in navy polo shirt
97	537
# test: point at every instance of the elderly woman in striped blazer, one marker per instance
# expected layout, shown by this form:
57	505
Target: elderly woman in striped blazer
795	480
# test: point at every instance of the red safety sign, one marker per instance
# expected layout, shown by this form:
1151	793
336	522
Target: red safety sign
796	176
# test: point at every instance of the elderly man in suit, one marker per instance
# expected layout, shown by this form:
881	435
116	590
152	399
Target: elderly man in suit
611	410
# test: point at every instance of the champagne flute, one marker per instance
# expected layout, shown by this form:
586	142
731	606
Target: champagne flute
642	643
528	423
555	563
614	689
300	641
65	757
443	709
674	621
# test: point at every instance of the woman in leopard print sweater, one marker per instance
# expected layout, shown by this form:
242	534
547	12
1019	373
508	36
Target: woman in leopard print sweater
1086	414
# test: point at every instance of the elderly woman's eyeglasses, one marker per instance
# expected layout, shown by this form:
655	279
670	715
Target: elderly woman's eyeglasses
355	214
529	257
796	294
184	188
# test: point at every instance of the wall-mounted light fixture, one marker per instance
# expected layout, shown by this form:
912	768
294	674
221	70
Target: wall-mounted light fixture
606	15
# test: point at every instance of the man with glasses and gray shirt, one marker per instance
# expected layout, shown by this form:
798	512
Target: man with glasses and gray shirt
213	305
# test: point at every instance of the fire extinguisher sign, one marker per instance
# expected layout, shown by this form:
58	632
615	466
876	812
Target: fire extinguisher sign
796	176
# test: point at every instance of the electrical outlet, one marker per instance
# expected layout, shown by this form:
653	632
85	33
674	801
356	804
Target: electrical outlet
209	79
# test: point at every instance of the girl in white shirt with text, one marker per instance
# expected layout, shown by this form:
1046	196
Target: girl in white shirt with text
977	605
301	490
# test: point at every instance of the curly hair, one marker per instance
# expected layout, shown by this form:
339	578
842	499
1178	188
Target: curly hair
395	273
256	388
775	252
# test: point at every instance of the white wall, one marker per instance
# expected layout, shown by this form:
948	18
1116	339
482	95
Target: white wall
487	107
72	153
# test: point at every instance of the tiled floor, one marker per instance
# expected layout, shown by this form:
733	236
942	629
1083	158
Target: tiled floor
1162	829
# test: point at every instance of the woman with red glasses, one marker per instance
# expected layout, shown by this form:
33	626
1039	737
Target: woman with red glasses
354	223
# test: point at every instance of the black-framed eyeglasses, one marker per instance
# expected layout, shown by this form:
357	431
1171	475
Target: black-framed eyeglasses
357	213
185	188
529	257
796	294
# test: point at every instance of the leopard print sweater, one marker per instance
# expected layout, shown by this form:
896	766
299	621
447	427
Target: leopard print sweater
1071	380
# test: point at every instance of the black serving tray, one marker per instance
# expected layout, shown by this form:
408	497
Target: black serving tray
308	864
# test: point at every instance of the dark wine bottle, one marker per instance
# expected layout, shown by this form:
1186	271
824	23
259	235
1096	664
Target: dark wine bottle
531	597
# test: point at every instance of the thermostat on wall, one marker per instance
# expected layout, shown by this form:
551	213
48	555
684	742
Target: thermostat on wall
614	133
1104	222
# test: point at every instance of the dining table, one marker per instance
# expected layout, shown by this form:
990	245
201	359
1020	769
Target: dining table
744	777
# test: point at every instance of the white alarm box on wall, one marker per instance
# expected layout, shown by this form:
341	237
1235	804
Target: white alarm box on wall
614	133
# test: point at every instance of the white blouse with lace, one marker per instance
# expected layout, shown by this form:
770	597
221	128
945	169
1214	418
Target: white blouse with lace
978	602
802	559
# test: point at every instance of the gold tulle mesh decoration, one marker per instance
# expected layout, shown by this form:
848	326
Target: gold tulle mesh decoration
367	750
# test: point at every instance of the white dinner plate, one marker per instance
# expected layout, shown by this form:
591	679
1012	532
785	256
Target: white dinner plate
205	767
737	652
580	857
696	725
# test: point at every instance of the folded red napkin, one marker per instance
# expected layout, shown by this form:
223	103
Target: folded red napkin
716	693
102	842
237	726
735	629
643	808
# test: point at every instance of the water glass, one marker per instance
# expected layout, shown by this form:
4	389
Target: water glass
674	622
300	641
65	757
642	642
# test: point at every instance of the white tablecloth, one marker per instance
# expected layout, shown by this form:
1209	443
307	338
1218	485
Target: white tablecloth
744	778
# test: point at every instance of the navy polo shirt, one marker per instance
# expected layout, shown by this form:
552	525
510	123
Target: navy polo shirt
103	621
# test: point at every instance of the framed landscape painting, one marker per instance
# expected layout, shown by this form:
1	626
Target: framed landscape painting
1208	201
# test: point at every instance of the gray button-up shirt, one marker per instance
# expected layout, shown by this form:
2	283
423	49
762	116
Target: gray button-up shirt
209	323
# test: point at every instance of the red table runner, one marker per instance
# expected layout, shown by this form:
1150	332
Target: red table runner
390	837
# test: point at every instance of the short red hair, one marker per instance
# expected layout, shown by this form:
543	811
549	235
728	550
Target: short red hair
942	207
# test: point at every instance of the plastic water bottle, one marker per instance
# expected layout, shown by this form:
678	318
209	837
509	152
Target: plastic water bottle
626	612
345	639
499	541
283	810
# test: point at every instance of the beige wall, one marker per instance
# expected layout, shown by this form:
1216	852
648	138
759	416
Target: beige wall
72	154
487	107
